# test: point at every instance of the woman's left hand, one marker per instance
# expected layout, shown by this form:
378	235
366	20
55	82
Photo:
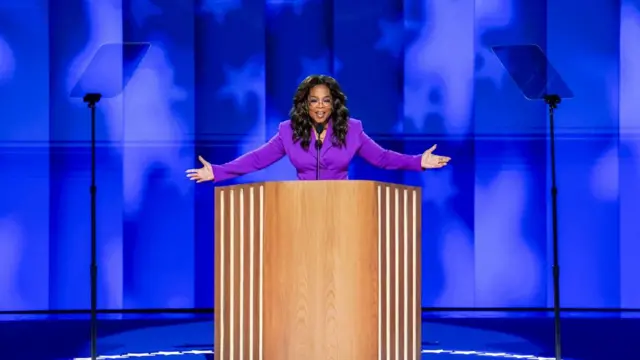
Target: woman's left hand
432	161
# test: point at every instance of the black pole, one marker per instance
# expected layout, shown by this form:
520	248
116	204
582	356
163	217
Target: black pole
92	100
319	129
318	147
553	101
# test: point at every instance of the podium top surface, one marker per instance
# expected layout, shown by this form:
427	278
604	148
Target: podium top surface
316	183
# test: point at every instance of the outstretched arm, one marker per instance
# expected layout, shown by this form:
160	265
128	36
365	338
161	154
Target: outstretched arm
250	162
387	159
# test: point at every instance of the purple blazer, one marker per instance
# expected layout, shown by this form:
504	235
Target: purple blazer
334	160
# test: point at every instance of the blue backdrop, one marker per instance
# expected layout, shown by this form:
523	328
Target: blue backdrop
220	76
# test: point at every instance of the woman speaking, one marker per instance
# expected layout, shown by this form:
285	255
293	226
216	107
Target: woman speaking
320	139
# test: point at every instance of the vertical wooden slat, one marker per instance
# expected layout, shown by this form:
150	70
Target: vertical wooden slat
241	314
384	251
235	245
219	218
255	213
261	262
246	271
226	277
402	276
379	208
254	272
417	245
410	275
393	266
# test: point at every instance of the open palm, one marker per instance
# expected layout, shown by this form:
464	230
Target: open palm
432	161
205	173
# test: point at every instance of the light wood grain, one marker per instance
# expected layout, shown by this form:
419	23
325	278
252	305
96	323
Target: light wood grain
317	270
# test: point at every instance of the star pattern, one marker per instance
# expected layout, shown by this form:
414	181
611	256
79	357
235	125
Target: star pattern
392	37
320	65
221	8
442	188
491	15
433	63
245	82
154	91
416	102
488	66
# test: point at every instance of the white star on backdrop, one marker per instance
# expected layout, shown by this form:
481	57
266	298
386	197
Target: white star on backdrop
435	64
221	8
491	67
441	187
491	15
278	5
391	37
320	65
244	82
416	102
141	10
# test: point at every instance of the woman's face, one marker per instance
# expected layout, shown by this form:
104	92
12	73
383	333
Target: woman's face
320	104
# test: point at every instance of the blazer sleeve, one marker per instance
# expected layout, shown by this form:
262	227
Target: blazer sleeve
386	159
255	160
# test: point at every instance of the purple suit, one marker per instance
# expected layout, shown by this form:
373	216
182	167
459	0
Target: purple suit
334	160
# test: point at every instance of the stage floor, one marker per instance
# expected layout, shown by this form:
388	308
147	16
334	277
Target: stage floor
460	336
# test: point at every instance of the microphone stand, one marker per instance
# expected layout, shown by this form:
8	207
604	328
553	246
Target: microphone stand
319	129
91	100
553	101
318	147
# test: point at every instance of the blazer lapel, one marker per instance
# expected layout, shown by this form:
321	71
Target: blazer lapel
312	147
327	143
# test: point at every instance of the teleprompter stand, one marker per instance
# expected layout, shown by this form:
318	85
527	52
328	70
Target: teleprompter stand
538	80
91	100
98	81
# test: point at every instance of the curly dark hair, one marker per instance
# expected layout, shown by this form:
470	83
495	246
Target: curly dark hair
301	122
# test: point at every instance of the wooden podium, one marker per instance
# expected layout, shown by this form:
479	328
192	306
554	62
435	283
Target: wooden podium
317	270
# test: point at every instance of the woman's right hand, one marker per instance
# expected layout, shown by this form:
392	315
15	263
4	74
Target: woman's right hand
205	173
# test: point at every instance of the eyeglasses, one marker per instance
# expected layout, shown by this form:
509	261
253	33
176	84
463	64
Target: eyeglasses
317	103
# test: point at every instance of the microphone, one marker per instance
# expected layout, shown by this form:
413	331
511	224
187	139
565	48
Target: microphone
319	129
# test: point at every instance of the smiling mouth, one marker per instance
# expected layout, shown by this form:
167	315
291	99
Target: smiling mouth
320	114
